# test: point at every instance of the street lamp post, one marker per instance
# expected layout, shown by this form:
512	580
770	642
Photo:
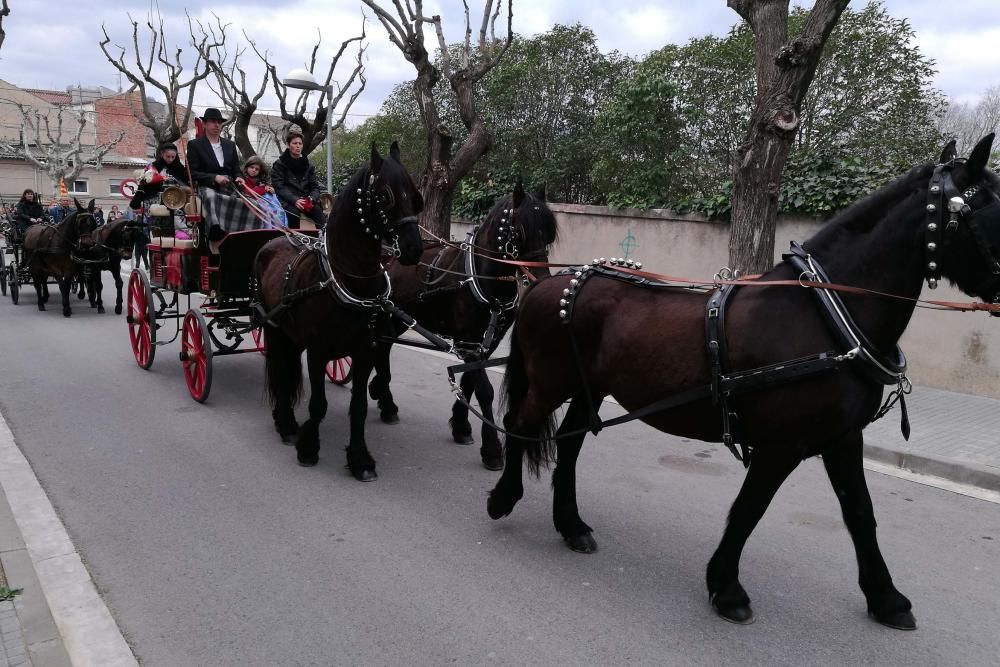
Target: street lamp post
304	80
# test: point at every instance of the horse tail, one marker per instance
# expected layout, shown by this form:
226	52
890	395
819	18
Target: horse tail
541	449
283	366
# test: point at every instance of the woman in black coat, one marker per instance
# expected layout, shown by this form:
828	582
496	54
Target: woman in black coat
28	211
165	166
294	181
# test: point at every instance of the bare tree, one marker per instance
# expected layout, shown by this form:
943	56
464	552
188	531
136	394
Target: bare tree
784	69
4	11
293	108
463	68
966	123
157	68
231	79
53	140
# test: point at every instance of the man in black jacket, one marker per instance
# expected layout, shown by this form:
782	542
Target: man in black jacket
212	158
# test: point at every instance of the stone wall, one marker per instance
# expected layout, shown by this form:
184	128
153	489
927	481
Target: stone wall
948	350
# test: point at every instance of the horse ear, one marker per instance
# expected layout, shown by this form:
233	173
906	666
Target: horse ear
376	160
79	206
90	206
948	153
540	192
394	151
980	157
518	192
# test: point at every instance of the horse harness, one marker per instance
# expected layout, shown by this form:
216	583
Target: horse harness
509	240
379	307
863	356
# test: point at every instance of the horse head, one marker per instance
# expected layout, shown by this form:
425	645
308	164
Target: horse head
80	225
962	232
120	236
520	226
382	202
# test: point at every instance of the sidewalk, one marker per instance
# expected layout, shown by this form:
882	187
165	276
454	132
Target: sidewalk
954	436
58	613
28	635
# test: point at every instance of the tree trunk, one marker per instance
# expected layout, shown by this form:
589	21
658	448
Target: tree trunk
784	72
241	134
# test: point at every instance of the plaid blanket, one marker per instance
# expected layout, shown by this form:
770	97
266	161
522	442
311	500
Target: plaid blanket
227	211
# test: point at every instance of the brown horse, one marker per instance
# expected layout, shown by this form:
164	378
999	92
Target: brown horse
330	299
891	241
113	242
460	292
54	250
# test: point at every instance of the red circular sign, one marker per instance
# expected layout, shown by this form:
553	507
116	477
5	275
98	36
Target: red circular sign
129	187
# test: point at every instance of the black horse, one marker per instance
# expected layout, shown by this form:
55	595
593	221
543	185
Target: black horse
54	250
462	293
113	242
573	342
331	301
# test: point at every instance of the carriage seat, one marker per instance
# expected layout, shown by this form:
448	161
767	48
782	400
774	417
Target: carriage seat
171	242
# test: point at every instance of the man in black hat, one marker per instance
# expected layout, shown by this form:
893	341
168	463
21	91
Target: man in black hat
212	158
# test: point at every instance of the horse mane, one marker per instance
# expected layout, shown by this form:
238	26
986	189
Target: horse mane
864	215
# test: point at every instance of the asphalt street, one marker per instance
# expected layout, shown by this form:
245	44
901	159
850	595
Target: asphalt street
212	547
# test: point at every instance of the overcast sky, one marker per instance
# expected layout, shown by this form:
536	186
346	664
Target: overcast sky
53	43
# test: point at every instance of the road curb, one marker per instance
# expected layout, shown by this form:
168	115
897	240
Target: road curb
962	472
88	632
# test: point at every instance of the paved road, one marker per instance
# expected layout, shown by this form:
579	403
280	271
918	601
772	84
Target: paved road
212	547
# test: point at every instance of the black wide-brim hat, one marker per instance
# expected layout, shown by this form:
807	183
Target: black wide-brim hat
211	113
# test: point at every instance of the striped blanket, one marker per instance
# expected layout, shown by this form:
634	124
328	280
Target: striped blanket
231	214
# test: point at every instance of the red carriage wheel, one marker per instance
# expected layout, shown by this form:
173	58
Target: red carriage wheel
339	371
141	319
196	355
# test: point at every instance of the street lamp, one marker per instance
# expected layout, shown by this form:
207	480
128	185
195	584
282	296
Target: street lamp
304	80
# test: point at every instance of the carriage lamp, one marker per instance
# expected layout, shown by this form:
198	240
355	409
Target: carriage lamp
303	79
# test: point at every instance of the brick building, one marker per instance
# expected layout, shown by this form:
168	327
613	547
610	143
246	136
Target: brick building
108	112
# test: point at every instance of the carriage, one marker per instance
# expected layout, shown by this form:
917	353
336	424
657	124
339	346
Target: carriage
13	271
205	289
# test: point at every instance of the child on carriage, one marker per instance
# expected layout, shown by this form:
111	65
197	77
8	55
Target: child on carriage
254	183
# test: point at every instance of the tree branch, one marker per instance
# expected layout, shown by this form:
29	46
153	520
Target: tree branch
4	11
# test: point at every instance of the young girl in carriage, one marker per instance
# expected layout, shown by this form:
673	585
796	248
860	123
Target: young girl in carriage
254	183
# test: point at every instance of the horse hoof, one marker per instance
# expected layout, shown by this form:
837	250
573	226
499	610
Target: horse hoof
389	418
67	313
582	544
41	307
118	310
897	620
739	614
100	310
365	475
307	460
462	438
494	510
493	463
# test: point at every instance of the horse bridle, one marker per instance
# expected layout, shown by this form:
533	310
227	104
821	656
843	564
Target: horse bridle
380	202
938	233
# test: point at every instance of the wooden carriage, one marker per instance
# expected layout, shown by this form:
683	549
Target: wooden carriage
205	288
